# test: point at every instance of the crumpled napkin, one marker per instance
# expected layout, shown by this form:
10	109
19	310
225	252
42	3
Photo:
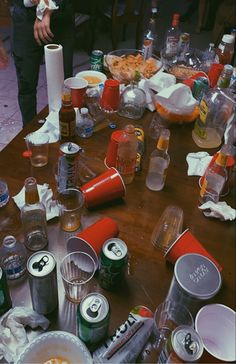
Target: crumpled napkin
51	127
143	84
219	210
42	6
177	99
197	163
13	336
161	80
45	195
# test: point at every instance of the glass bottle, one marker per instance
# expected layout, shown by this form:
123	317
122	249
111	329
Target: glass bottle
209	56
67	117
86	124
132	102
173	36
33	217
225	50
215	110
158	163
225	77
127	154
13	257
92	101
214	179
150	36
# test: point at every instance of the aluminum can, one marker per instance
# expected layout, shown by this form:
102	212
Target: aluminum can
5	299
139	132
93	316
113	260
196	279
67	172
200	86
127	341
96	60
183	346
41	267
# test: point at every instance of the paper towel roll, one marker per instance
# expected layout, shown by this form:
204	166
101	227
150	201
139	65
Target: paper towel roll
54	74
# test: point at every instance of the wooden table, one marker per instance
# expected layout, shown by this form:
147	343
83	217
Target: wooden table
148	275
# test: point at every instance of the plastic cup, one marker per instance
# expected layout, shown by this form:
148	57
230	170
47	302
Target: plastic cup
216	324
37	145
111	95
77	270
78	88
187	243
106	187
168	228
111	156
169	315
70	203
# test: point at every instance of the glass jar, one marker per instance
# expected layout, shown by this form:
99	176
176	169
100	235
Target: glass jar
132	102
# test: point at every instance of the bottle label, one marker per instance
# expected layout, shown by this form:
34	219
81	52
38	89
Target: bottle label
203	110
126	166
221	159
201	132
67	129
147	48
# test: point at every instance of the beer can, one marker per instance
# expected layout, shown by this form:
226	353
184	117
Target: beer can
93	316
113	260
41	267
5	299
67	172
183	346
96	60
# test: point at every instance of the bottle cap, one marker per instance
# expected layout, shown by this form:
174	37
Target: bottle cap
84	110
228	38
228	69
9	241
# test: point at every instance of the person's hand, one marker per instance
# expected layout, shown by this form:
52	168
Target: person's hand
42	30
36	2
3	57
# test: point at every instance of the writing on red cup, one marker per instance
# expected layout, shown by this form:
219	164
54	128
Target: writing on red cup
106	187
111	156
78	88
111	95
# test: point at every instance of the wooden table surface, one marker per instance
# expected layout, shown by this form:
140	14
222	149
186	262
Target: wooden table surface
148	275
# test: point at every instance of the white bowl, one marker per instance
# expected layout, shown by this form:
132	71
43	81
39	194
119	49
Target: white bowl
55	344
99	77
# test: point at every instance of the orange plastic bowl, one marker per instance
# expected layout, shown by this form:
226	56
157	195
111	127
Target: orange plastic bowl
177	118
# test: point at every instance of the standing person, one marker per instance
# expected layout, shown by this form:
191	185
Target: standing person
30	34
3	55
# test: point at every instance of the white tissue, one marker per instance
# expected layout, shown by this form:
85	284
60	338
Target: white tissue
143	84
45	194
13	336
161	80
51	127
177	99
197	163
42	6
219	210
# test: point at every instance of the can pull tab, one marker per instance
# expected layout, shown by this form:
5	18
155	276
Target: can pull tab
94	307
189	344
41	263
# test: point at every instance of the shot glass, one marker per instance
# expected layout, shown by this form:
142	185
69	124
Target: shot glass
70	203
77	270
37	145
169	315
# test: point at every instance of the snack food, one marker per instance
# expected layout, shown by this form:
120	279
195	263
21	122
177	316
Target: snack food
183	72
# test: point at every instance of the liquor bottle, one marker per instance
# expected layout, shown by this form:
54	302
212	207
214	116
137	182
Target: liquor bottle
215	178
85	124
33	217
173	36
159	162
13	257
209	56
150	35
225	77
67	117
225	50
127	154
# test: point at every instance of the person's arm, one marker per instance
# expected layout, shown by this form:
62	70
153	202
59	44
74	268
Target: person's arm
3	56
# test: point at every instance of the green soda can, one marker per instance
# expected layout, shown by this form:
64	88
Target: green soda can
93	316
113	261
96	60
5	299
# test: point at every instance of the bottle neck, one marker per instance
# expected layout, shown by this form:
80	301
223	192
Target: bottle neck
31	191
163	144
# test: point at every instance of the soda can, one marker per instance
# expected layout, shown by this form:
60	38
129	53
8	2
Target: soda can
96	60
41	267
67	172
5	299
183	346
113	260
200	86
93	316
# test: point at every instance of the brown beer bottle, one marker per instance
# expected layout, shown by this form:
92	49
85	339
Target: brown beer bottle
67	117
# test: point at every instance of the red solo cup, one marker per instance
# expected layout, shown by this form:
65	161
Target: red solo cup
187	243
111	157
111	95
78	88
106	187
214	73
75	244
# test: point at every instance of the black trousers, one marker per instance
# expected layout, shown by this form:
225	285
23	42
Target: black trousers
28	55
